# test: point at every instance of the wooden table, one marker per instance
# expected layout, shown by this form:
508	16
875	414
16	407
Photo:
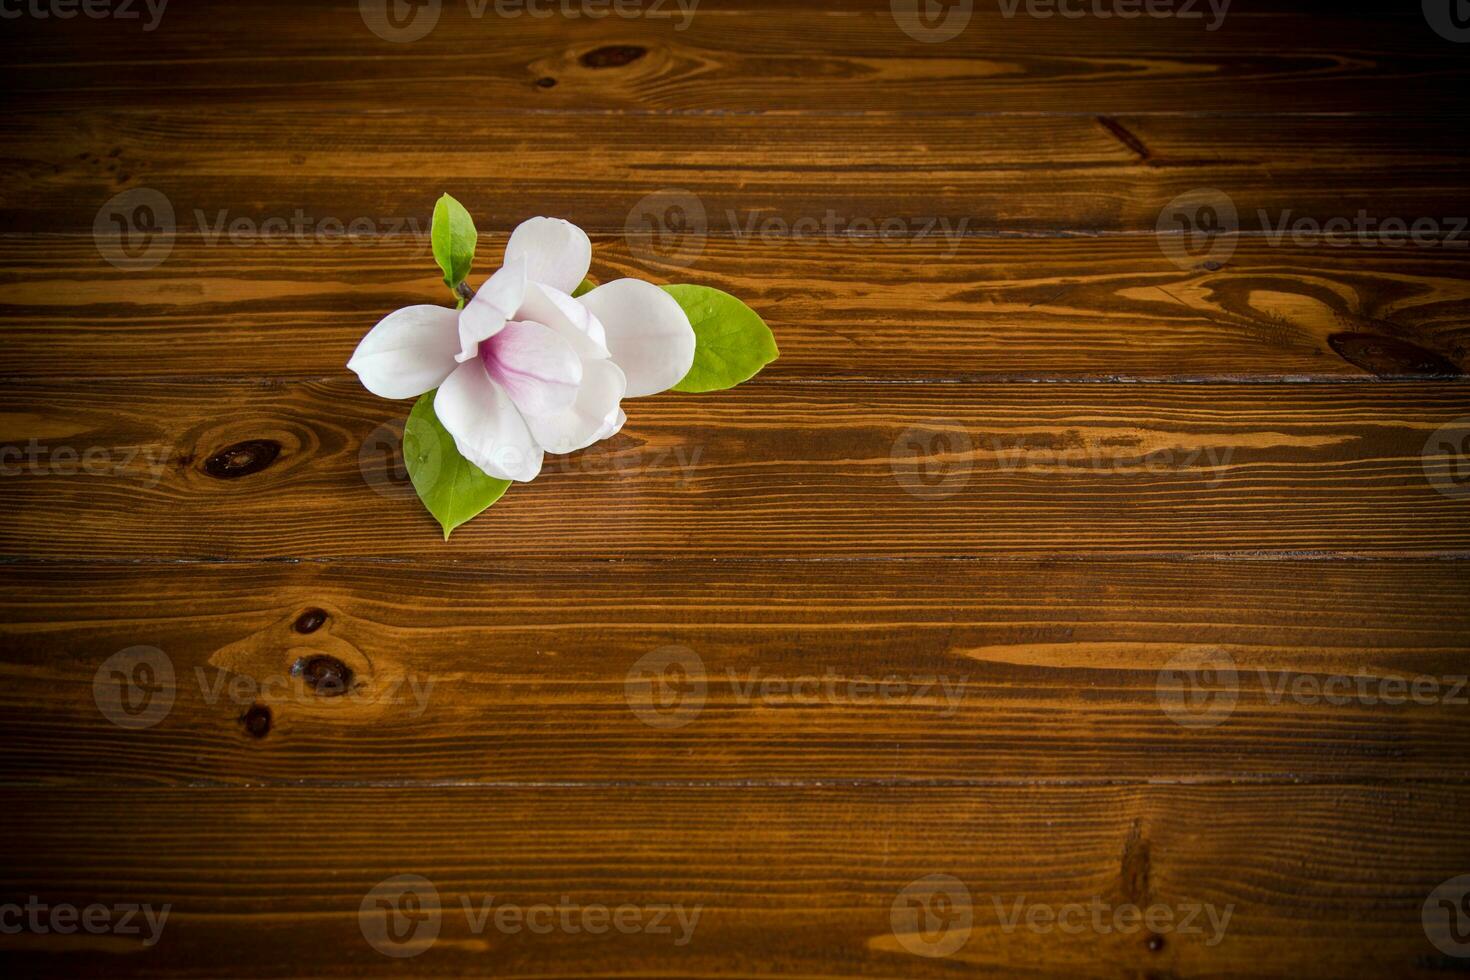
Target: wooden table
1070	598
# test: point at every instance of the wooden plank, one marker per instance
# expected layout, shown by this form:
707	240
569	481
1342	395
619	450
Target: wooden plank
214	469
766	56
888	672
977	309
893	610
950	175
770	881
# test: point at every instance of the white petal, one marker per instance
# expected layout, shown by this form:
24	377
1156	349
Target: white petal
496	302
613	427
647	332
536	366
594	416
557	252
410	351
487	427
616	427
549	305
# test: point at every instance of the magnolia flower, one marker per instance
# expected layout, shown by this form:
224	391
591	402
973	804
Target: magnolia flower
526	369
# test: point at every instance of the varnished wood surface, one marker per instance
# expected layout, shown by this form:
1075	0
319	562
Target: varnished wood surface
936	176
467	672
819	56
927	585
1312	886
284	470
972	308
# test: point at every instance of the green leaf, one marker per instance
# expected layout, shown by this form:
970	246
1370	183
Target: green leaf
587	286
732	342
453	488
453	235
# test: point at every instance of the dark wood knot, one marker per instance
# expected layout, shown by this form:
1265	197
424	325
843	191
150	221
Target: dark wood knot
1390	357
613	56
257	721
309	621
326	675
242	459
547	82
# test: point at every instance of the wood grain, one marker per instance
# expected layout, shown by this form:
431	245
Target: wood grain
939	176
931	672
275	878
975	309
1041	559
764	56
211	470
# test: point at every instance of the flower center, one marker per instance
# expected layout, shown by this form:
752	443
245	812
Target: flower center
538	369
490	354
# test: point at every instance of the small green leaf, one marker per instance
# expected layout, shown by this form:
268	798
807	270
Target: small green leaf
453	488
453	235
732	342
587	286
